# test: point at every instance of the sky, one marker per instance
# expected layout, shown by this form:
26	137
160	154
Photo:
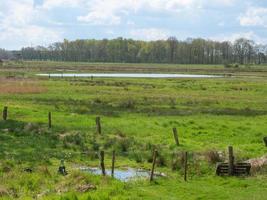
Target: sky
42	22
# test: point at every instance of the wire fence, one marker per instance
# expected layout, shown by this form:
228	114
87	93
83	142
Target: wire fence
157	155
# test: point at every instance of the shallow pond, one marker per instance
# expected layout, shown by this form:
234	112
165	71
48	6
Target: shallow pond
122	174
132	75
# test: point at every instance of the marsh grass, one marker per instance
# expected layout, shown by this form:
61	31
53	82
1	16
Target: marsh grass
137	116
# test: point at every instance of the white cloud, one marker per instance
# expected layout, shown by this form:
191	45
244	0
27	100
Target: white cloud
250	35
110	12
107	12
254	16
149	34
19	25
50	4
103	12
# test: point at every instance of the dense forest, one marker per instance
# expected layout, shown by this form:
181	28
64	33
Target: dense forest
190	51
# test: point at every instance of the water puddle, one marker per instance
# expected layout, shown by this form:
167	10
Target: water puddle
127	75
123	174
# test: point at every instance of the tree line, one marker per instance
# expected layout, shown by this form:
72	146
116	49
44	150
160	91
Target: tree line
190	51
6	55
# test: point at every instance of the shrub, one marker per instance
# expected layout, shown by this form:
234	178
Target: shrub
213	156
71	140
161	160
236	65
129	104
137	156
176	162
124	144
3	191
229	65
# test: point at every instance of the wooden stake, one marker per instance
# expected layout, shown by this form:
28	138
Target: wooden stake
185	165
175	134
102	164
153	165
5	113
113	164
231	161
265	141
98	125
49	120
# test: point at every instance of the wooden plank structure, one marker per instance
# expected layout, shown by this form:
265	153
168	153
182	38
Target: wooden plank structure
240	169
231	168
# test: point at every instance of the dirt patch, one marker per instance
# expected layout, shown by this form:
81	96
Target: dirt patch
20	86
3	191
85	188
258	163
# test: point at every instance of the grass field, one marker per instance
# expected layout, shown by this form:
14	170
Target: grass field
137	116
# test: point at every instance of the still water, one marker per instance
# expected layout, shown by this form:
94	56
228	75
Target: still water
120	174
132	75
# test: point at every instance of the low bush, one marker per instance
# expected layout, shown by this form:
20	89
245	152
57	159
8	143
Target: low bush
213	156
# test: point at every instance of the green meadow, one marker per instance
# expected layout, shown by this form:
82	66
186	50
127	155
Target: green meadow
137	116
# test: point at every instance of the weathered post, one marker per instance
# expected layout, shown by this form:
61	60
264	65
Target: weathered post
49	120
153	165
5	113
185	165
231	161
102	164
98	125
265	141
113	164
175	134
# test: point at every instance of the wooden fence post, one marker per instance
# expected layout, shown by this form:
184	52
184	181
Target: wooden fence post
49	120
265	141
5	113
175	134
113	164
102	164
98	125
231	161
185	165
153	165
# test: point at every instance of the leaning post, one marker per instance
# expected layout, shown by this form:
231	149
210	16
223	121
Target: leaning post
153	165
98	125
5	110
49	120
185	165
175	135
113	164
102	164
